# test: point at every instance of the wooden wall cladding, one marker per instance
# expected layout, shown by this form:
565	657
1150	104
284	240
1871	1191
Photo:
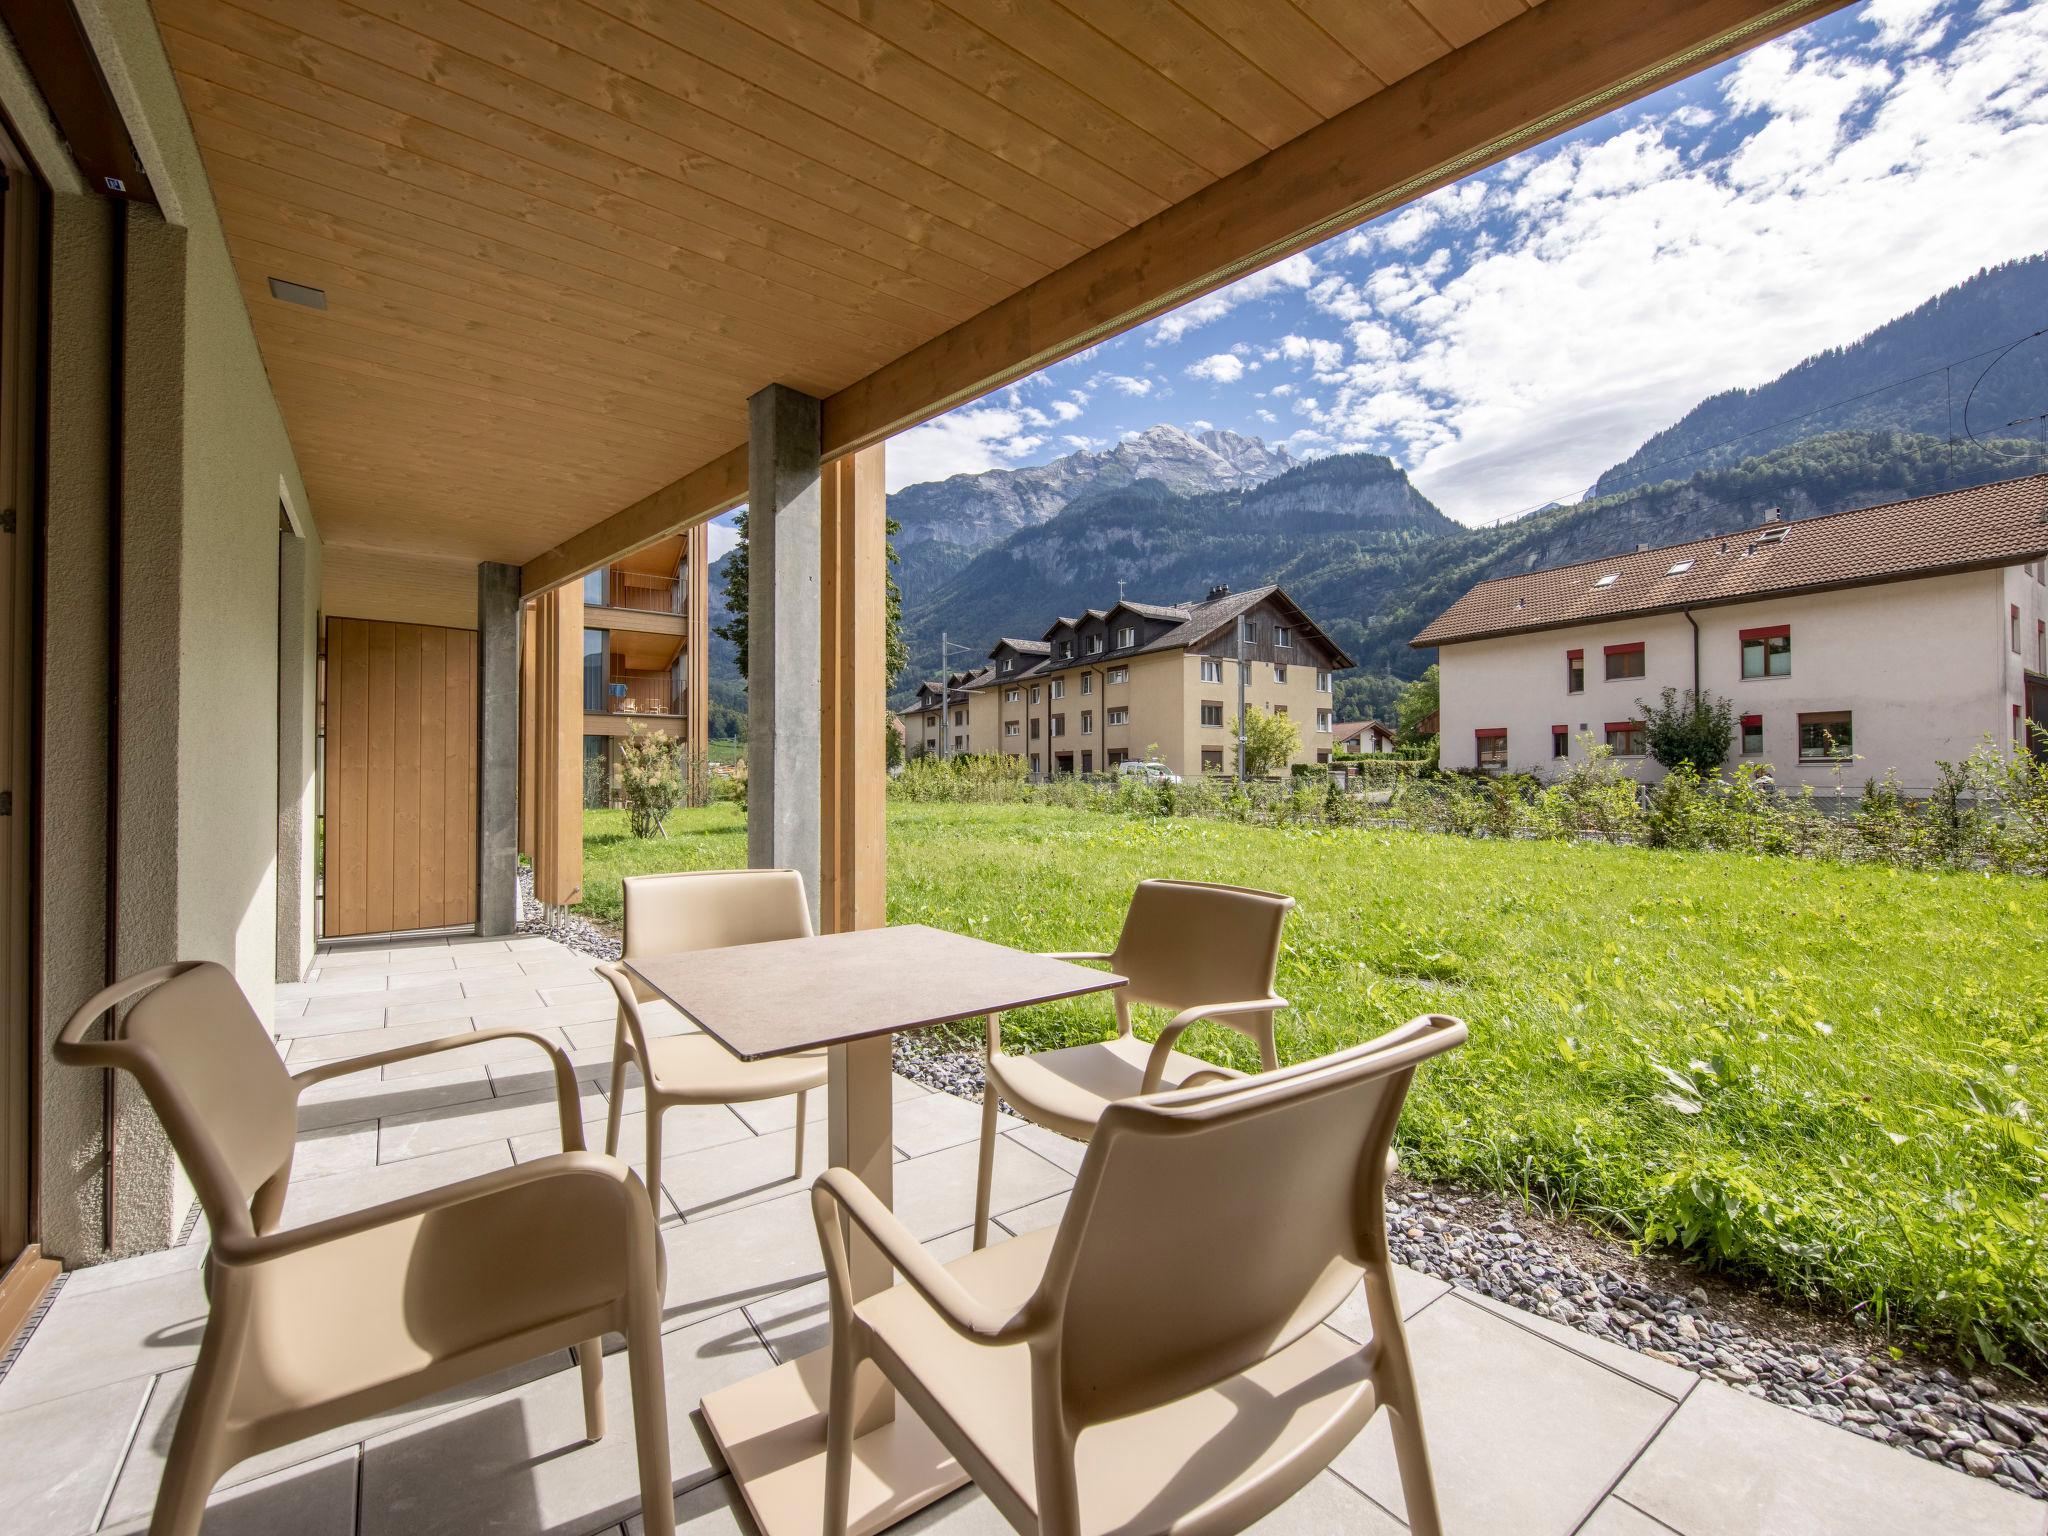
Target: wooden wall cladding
401	778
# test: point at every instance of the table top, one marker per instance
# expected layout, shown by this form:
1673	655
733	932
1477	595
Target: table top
792	995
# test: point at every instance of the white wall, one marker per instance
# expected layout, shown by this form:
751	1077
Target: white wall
1924	667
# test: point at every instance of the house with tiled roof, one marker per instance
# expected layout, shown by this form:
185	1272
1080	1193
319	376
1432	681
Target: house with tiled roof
1892	637
1136	681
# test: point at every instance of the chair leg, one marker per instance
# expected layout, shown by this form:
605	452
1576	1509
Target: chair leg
841	1422
198	1451
985	1172
654	1111
1396	1372
612	1117
590	1361
802	1099
650	1414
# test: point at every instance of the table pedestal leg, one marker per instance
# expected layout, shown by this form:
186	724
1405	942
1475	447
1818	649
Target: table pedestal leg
771	1428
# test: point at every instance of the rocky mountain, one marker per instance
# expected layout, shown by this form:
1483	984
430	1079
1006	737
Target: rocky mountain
946	523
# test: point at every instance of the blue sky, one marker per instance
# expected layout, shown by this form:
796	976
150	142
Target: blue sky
1509	337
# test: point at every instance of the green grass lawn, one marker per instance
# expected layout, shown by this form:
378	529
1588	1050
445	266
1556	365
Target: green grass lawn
1819	1074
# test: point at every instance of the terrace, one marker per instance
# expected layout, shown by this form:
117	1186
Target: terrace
342	343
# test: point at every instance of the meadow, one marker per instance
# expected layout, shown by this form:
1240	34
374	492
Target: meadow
1822	1076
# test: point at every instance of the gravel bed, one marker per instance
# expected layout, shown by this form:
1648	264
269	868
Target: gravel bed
1971	1423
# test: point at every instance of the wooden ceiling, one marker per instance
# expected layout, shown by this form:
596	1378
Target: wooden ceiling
562	241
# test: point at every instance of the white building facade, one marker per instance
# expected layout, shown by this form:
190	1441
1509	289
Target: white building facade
1829	687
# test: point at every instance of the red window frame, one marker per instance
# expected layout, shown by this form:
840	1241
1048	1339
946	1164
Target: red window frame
1635	726
1769	632
1751	723
2015	629
1560	736
1628	648
1485	735
1574	663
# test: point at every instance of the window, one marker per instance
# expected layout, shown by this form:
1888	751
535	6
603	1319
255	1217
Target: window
1624	661
1087	682
2041	646
1034	727
1244	671
1322	682
1095	645
1767	652
1117	717
1608	580
1679	568
1625	737
1212	670
1009	663
1826	735
1034	693
1247	631
1323	756
1212	759
1752	735
1126	636
1013	696
1493	747
959	717
1012	727
1087	762
1034	757
593	670
1212	714
1280	709
1059	725
1059	687
1115	757
1560	741
1322	719
1119	674
1279	671
1574	671
1087	722
593	587
1066	650
2015	629
2019	734
1283	638
959	743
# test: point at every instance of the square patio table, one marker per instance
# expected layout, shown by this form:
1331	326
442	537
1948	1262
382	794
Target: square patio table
848	992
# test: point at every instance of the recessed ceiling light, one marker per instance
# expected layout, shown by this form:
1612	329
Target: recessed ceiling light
297	293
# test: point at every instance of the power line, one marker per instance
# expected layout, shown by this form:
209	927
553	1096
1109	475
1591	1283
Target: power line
2000	348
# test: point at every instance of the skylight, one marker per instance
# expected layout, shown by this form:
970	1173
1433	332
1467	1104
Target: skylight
1609	579
1680	568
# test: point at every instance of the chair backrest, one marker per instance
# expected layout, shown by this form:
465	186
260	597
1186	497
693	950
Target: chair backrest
1186	943
709	909
1212	1227
211	1073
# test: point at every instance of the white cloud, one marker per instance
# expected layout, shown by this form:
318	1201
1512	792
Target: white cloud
1217	368
721	538
1897	20
1265	415
1199	425
963	442
1295	271
1126	384
1066	410
1628	281
1322	355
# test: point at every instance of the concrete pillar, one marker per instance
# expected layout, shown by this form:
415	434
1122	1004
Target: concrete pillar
298	609
497	749
784	529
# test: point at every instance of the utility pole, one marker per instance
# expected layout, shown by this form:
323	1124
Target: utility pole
1242	667
946	648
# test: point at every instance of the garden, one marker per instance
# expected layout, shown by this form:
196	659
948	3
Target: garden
1822	1073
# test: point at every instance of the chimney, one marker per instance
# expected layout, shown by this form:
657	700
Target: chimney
1221	589
1641	547
1774	514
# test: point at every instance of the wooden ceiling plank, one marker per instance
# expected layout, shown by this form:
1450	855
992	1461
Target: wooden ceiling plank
553	154
1149	99
958	48
847	146
1460	21
363	52
1168	40
1389	37
700	32
615	230
1288	46
658	258
1547	70
845	47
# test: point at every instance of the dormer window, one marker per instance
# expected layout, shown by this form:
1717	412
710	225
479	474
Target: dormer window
1066	650
1009	663
1095	645
1126	637
1283	637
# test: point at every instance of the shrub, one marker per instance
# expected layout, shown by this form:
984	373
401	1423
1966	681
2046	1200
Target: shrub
650	779
1269	741
1690	727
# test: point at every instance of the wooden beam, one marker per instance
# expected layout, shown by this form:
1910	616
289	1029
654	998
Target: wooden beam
1527	80
558	747
853	772
697	660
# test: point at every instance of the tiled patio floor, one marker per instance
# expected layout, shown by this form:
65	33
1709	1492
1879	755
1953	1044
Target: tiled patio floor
1536	1430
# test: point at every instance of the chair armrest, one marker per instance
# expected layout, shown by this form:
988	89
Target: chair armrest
240	1249
964	1312
1162	1048
565	1074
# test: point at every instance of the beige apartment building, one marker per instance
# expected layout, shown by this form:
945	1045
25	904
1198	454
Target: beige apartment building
1139	681
1886	639
644	655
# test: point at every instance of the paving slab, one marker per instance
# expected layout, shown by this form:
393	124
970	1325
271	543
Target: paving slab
443	1129
1733	1463
60	1458
518	1463
121	1333
1617	1517
311	1200
798	1320
1062	1151
725	1177
938	1121
315	1498
345	1148
369	1097
1525	1436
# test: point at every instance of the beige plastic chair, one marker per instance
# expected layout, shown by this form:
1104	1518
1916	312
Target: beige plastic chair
674	914
1154	1363
1207	951
322	1325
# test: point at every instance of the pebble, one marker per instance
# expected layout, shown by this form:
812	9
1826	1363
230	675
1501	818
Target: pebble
1966	1423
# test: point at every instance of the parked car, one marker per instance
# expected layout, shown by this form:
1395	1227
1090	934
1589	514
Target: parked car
1151	773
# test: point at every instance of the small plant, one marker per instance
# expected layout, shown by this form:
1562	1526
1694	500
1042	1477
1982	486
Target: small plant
650	779
1690	727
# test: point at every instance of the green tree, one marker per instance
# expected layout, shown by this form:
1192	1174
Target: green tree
650	779
1419	700
1691	728
1269	741
895	649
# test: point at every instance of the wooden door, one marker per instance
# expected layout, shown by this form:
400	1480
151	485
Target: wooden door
400	805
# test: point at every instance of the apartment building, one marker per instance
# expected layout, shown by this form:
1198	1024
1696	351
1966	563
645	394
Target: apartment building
643	623
1892	638
1138	681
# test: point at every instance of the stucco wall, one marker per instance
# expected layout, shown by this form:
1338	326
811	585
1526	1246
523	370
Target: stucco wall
1918	664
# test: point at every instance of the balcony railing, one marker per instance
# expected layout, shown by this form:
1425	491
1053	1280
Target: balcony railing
633	693
642	591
